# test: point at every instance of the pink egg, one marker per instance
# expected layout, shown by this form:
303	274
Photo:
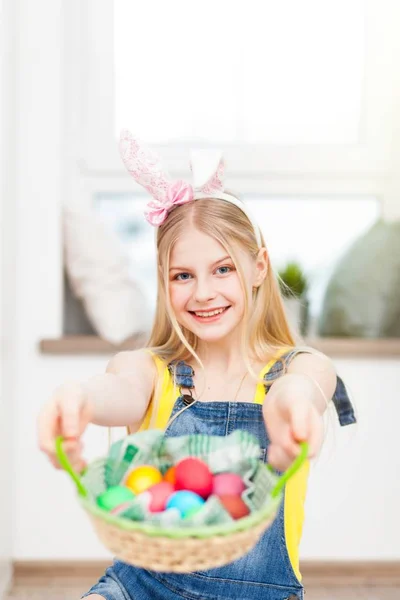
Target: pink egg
228	484
160	492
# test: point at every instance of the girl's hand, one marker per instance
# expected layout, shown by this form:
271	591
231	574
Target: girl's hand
291	418
67	414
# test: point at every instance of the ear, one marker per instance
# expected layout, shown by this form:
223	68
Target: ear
261	267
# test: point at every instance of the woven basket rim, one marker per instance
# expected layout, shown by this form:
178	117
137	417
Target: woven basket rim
199	531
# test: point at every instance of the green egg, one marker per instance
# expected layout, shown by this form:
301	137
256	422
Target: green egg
114	496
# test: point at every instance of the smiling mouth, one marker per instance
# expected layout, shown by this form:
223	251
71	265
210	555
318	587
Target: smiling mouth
203	314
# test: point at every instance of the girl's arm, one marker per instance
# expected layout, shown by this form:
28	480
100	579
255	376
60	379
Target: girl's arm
121	396
294	406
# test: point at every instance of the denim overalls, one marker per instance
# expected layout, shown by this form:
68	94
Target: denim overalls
264	573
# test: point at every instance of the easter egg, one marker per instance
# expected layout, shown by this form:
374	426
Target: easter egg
228	484
114	496
170	475
184	501
160	492
193	511
193	474
141	478
235	506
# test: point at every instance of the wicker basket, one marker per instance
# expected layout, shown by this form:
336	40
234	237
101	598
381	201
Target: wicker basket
180	550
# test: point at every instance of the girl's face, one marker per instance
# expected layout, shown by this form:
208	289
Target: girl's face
205	290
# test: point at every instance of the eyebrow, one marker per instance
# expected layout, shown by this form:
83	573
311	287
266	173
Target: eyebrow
213	265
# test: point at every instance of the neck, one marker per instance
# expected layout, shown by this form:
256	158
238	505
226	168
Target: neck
222	356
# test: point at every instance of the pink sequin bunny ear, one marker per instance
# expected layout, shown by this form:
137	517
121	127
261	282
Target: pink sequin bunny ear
144	165
147	169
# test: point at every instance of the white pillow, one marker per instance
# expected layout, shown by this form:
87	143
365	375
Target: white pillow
100	276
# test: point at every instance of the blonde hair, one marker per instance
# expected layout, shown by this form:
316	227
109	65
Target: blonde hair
265	329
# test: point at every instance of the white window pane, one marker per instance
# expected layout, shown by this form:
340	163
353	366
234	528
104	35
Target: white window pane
227	71
313	231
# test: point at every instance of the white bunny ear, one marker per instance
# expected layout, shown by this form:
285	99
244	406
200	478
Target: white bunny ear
208	168
145	166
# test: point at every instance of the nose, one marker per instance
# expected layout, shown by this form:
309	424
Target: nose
204	290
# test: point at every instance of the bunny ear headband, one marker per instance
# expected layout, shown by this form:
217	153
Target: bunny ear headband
207	167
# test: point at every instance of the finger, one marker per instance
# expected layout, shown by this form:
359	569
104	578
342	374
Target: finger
300	421
54	462
316	435
289	443
77	464
75	457
278	458
70	417
72	447
48	428
73	450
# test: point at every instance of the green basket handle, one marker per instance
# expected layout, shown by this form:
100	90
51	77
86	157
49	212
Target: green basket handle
290	471
284	478
66	465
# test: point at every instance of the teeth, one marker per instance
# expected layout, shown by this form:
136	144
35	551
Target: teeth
209	314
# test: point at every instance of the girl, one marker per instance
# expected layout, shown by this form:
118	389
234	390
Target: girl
220	357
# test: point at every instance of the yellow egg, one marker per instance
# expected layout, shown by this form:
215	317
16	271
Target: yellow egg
141	478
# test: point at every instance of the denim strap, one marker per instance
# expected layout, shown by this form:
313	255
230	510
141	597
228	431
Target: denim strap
182	375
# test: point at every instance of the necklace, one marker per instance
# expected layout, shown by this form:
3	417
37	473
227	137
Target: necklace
237	391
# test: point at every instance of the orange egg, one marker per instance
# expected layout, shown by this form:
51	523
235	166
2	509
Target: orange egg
170	475
141	478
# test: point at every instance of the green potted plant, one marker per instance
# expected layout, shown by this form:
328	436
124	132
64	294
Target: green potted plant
293	284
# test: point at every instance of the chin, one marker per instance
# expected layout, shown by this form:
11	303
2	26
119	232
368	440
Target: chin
210	335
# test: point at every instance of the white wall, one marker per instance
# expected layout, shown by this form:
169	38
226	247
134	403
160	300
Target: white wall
7	252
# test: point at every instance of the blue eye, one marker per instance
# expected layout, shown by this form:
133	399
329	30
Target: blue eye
224	273
181	277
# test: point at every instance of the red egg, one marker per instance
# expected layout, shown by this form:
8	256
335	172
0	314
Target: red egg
193	474
235	506
160	492
228	484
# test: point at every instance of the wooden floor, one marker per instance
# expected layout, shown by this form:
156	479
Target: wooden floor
62	589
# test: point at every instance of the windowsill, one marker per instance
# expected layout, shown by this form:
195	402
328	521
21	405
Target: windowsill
340	347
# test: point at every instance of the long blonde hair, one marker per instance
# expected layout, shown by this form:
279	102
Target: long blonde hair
264	331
